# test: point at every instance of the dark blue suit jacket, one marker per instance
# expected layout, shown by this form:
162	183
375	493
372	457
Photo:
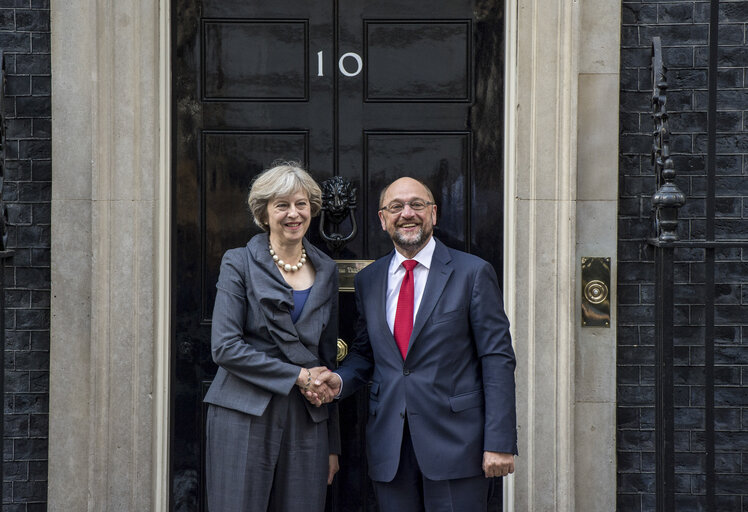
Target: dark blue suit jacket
457	381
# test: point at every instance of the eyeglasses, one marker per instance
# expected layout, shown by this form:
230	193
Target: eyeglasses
397	207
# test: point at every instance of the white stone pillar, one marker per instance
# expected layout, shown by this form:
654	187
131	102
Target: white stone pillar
597	220
106	158
540	226
561	179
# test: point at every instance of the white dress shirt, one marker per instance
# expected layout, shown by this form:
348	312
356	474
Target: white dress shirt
395	276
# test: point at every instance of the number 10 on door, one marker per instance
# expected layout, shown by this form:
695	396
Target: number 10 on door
343	66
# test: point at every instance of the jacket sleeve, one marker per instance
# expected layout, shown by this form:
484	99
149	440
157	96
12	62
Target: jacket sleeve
229	349
494	347
328	352
358	367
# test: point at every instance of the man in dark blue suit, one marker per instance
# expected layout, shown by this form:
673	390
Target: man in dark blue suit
433	339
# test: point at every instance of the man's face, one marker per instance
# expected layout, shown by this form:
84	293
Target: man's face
409	230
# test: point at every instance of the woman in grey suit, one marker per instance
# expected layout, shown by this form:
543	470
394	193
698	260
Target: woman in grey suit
274	329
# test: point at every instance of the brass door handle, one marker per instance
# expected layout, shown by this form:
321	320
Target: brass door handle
342	349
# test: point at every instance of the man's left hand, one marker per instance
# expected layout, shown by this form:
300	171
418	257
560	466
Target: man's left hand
497	464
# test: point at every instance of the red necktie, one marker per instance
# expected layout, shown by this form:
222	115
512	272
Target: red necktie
404	312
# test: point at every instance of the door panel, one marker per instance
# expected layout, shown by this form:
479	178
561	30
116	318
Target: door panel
252	60
417	61
230	157
440	159
367	90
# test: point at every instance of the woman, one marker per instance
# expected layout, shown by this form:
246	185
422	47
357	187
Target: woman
274	329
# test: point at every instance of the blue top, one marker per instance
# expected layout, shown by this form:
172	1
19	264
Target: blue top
299	299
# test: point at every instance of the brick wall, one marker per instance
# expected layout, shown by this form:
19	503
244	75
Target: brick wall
25	39
684	29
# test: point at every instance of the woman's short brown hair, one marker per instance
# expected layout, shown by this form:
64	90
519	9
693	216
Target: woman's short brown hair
283	179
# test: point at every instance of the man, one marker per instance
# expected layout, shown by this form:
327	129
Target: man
433	339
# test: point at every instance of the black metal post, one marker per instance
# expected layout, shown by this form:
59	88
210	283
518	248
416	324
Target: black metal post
665	204
664	406
709	258
5	254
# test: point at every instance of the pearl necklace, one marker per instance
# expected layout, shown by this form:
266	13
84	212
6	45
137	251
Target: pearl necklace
287	267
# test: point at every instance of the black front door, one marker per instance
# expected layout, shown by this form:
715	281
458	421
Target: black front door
366	90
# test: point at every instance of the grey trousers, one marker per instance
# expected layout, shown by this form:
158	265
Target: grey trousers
276	462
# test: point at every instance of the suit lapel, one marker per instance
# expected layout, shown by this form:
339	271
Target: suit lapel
378	284
438	276
272	294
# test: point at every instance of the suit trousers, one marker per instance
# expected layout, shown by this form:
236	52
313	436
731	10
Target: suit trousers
277	462
410	491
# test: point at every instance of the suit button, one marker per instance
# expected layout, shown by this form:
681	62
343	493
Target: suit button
406	371
402	414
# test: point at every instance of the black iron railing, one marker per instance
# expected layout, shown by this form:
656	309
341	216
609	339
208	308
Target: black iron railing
666	202
5	253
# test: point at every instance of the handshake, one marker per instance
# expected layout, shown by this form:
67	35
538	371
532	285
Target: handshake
318	385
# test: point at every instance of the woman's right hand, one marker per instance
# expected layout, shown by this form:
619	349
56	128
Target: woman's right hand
305	378
315	395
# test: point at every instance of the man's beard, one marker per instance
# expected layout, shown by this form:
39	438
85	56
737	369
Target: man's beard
414	242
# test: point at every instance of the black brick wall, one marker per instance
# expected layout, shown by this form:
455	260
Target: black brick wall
684	29
25	39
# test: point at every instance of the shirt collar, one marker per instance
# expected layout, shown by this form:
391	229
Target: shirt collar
424	256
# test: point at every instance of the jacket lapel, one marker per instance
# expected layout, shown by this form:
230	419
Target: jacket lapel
438	276
272	294
376	292
319	295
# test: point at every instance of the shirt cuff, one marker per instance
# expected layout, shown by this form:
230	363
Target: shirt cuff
341	385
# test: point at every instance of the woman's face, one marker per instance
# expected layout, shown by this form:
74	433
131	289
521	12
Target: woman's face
289	216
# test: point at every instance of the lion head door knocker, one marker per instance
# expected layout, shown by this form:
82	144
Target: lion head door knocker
338	204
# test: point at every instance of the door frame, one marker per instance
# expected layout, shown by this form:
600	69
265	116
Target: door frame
540	169
164	271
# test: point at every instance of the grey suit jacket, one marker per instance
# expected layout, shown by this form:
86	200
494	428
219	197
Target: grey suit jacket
256	345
